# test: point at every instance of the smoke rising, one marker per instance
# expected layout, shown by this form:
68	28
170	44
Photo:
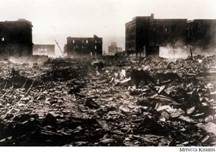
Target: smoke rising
182	50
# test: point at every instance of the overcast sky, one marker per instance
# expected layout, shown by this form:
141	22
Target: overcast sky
57	19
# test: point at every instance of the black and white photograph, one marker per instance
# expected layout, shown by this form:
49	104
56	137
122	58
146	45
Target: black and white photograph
108	73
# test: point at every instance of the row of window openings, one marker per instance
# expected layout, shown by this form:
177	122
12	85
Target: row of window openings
76	47
83	41
2	39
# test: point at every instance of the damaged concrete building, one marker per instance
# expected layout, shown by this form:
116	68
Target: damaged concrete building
145	34
44	50
16	38
83	46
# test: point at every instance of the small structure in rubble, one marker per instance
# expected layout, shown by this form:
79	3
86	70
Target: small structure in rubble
113	48
83	46
145	35
15	38
44	50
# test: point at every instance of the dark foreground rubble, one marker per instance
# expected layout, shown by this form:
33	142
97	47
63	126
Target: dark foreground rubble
109	102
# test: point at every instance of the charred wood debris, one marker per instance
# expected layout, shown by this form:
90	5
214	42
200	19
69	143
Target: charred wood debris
109	101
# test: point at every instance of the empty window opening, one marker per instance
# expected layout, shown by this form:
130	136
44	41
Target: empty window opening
166	29
2	39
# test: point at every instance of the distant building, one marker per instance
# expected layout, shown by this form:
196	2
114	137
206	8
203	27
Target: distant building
145	34
83	46
44	50
16	38
113	48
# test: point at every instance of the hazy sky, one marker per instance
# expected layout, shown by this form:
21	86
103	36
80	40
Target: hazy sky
57	19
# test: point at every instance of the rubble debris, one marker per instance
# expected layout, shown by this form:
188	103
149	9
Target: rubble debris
141	76
70	104
91	103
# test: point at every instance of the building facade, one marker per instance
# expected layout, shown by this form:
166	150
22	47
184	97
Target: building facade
145	34
16	38
83	46
44	50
